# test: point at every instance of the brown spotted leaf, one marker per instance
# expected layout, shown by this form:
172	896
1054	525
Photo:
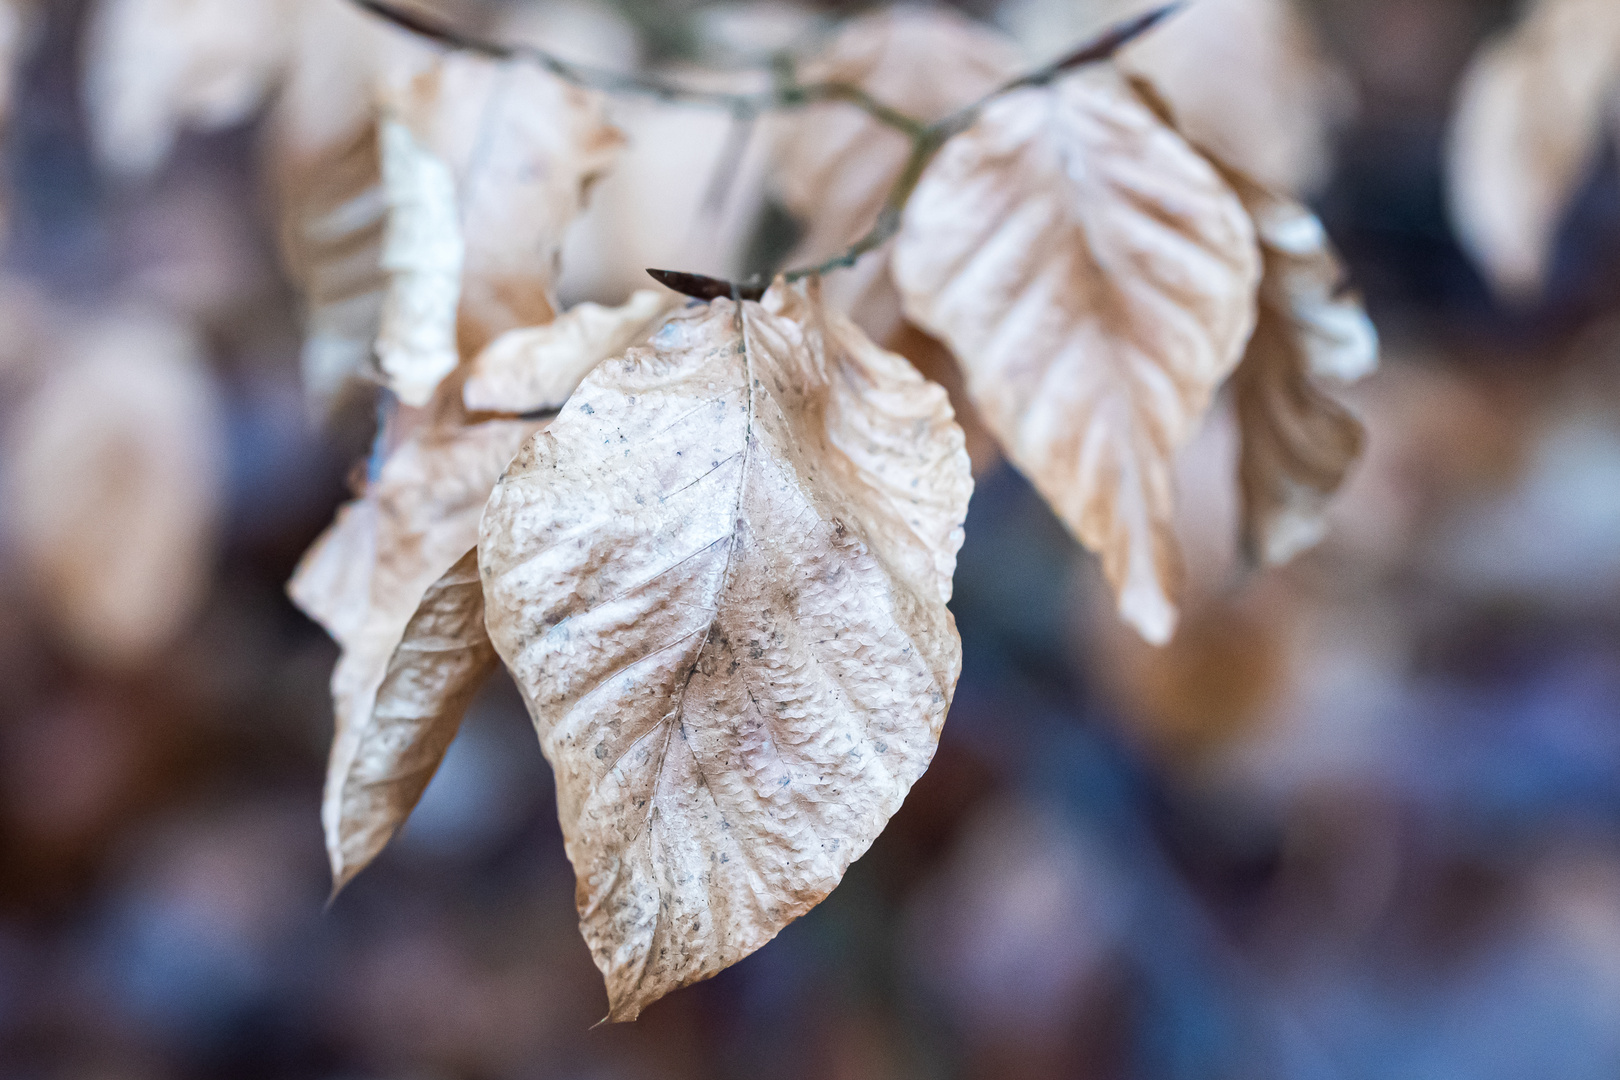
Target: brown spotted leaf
1298	441
443	657
719	579
1096	278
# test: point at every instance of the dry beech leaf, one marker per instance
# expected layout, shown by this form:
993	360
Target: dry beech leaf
835	166
422	256
1298	441
537	367
443	657
1096	277
333	221
719	579
114	486
155	67
413	523
524	148
1527	130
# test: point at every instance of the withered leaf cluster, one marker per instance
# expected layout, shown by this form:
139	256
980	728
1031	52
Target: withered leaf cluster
713	541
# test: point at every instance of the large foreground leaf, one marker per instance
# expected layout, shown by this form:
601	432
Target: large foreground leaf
719	579
1096	278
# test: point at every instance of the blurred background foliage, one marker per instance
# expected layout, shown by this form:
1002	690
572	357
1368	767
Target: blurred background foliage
1361	819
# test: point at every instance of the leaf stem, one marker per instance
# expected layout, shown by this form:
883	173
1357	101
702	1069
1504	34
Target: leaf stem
788	93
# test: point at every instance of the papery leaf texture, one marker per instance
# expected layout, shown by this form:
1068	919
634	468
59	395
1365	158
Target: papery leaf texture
1528	127
537	367
443	657
422	256
1096	278
415	520
719	579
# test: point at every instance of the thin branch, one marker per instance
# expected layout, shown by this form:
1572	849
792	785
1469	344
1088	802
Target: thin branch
786	93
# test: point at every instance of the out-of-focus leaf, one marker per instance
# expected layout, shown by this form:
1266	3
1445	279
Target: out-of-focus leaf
1527	130
1247	78
114	476
422	257
16	22
835	166
328	178
538	367
1298	441
1096	277
719	579
155	67
501	155
443	657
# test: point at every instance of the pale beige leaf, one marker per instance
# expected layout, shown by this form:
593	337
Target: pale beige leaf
443	657
418	517
156	67
1096	278
719	580
1298	441
1527	131
525	148
835	165
422	256
538	367
114	485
